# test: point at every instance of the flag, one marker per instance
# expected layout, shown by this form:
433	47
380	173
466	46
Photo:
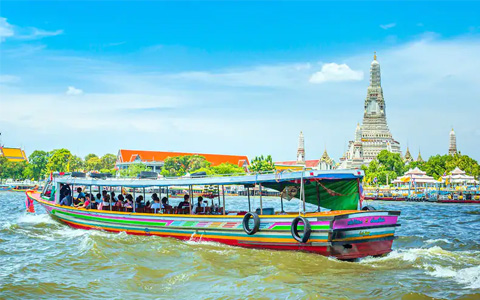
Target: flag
375	180
51	176
413	182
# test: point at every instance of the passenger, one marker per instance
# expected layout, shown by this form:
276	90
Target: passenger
129	202
67	201
139	202
164	202
185	203
93	203
156	205
106	200
65	190
98	198
200	203
119	203
85	204
112	197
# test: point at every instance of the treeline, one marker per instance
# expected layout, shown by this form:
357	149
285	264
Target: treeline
41	163
390	165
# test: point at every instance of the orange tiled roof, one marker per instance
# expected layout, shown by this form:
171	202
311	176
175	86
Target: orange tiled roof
13	154
308	163
216	159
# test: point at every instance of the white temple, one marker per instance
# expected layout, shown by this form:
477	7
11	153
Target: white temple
301	150
373	135
452	147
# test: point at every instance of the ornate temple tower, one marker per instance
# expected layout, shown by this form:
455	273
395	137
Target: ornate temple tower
419	158
301	150
375	135
408	157
452	148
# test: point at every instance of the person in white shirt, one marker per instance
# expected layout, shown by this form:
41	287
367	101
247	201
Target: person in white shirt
200	203
156	205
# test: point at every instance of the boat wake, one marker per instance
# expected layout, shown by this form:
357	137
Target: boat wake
435	262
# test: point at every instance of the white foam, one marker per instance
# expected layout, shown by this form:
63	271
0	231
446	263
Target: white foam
36	219
437	240
470	277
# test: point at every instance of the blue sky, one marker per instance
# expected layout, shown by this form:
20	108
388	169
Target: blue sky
235	77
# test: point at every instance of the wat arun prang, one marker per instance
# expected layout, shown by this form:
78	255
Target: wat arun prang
373	135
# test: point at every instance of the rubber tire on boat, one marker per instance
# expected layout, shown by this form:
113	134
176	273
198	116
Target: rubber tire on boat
306	229
369	207
256	223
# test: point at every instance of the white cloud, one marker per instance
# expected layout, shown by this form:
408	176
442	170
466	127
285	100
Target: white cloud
336	72
9	79
35	33
6	29
72	91
388	26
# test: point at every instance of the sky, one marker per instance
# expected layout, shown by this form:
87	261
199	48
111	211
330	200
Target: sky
235	77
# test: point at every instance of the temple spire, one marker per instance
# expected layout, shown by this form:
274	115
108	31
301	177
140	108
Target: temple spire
301	149
452	148
374	55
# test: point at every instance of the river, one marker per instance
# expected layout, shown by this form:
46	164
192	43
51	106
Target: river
437	255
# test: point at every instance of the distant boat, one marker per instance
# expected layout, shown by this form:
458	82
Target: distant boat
5	187
344	232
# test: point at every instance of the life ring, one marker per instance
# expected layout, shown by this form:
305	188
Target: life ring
306	229
256	223
369	207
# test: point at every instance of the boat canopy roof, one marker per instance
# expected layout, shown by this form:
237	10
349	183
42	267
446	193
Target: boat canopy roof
249	179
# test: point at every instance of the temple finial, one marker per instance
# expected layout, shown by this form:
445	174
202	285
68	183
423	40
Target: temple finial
374	55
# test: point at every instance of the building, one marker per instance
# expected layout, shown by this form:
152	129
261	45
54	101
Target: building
408	157
324	163
154	159
373	135
419	158
13	154
415	178
301	150
452	148
459	177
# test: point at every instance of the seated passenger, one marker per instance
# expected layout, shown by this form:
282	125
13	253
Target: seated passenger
106	200
112	197
129	203
156	205
85	204
93	203
119	203
139	202
200	203
80	193
185	203
98	199
67	201
164	202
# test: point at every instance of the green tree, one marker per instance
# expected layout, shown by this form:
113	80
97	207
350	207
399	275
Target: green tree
76	163
227	168
133	170
261	164
59	160
93	163
181	165
37	165
387	166
108	161
90	156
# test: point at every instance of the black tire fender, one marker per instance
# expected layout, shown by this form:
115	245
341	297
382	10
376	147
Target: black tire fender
256	223
306	229
369	207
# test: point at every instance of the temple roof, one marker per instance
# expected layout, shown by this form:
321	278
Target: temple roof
13	154
326	158
125	156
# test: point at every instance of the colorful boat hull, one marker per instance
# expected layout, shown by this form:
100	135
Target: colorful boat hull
341	234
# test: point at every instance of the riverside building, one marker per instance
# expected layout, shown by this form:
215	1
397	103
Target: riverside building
373	135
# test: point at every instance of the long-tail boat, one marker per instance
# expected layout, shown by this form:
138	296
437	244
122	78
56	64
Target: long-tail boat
336	227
